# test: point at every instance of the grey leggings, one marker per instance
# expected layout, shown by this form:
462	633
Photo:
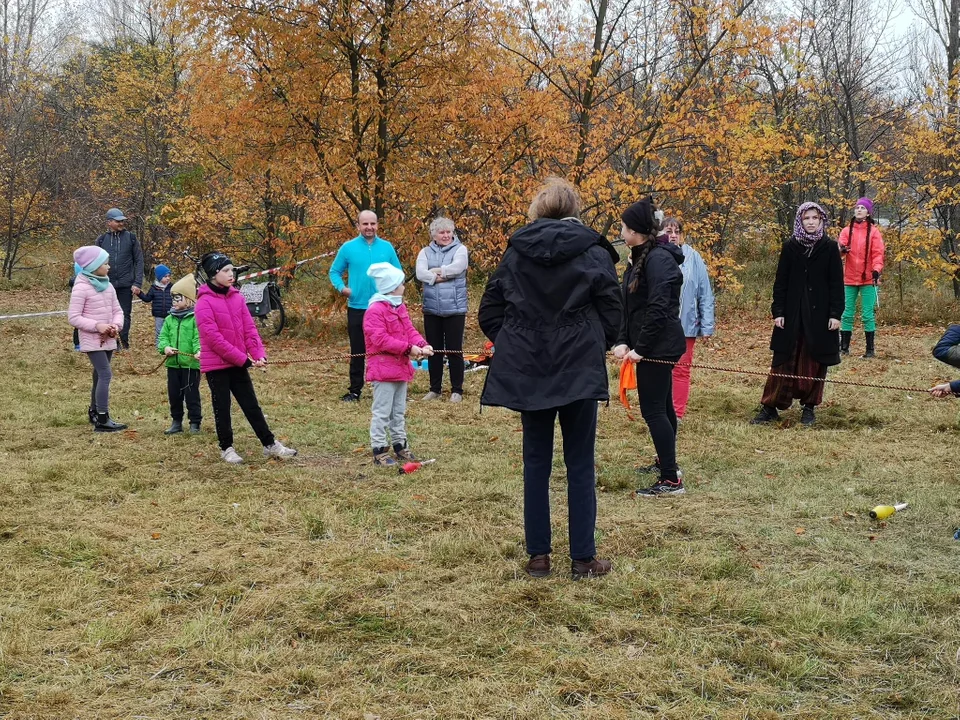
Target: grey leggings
102	375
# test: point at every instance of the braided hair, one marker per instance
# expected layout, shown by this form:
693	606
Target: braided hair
640	262
869	226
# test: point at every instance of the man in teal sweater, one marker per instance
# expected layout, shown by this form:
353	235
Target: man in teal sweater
354	257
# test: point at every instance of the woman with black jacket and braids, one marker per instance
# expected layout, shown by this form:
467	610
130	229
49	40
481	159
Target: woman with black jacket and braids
651	330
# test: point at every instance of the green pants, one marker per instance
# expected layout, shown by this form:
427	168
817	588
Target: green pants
868	299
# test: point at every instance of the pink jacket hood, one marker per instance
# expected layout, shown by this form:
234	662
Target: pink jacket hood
227	332
389	332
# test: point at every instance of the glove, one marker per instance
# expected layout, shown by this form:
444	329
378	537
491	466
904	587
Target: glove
876	275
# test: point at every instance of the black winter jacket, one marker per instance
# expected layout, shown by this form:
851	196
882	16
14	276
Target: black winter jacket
651	319
552	308
807	294
161	298
126	258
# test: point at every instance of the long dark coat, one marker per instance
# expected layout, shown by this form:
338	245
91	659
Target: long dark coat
552	309
808	293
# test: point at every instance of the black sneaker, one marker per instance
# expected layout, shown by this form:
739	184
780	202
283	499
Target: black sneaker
808	417
650	469
655	469
350	397
766	414
663	487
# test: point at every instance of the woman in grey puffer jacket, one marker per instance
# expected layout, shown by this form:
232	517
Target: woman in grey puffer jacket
442	268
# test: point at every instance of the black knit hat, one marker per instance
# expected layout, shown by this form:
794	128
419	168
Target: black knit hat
641	217
214	262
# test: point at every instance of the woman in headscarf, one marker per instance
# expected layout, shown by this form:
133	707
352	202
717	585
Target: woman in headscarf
807	305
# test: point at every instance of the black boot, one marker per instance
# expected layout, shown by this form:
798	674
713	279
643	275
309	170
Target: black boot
845	336
105	424
194	428
92	414
175	427
767	414
870	352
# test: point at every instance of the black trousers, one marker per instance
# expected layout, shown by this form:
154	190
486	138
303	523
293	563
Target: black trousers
578	426
445	333
236	380
183	384
125	298
358	346
655	386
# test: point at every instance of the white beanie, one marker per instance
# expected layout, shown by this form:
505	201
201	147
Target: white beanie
386	277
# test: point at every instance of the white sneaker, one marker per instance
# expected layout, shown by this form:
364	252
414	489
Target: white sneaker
456	397
431	396
231	456
278	450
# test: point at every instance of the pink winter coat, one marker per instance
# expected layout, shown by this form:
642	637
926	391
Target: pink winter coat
227	332
89	307
388	330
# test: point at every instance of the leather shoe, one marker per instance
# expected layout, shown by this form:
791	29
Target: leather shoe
593	567
538	566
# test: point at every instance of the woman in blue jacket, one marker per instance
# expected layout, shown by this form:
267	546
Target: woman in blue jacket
696	310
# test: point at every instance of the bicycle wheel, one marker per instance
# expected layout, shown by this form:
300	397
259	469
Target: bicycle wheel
272	323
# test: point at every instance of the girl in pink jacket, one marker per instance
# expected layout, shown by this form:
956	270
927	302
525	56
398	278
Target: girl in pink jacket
231	344
96	313
392	342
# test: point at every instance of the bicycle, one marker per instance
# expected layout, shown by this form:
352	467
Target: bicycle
263	299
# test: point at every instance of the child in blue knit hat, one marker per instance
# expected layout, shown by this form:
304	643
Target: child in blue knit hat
159	295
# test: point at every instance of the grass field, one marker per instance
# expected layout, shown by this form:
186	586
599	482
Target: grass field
143	578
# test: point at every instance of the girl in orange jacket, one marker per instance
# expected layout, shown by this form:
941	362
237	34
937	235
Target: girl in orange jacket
862	247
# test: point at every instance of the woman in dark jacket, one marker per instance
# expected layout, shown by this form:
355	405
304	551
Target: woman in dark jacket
807	305
651	330
552	308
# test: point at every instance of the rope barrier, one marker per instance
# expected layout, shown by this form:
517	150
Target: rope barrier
291	266
767	373
33	315
716	368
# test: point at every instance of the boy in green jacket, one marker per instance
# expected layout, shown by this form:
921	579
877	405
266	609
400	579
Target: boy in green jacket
180	342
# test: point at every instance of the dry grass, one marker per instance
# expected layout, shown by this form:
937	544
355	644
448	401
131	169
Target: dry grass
143	578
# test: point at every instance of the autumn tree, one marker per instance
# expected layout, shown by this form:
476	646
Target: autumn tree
115	102
28	142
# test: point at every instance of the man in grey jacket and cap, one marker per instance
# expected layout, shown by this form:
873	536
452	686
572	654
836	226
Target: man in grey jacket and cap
126	265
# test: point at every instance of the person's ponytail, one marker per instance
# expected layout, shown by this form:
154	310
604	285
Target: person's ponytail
640	262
